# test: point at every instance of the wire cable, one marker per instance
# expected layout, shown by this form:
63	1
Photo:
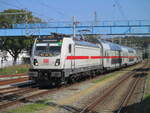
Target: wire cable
120	8
20	4
15	6
55	9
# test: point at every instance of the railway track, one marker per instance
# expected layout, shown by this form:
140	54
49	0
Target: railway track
10	81
127	100
90	108
9	95
29	93
27	96
14	87
16	95
15	75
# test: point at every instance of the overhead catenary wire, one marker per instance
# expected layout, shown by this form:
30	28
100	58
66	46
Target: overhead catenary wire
119	8
54	9
12	5
19	3
17	7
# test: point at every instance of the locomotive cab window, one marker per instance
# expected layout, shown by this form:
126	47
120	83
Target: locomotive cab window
47	50
69	48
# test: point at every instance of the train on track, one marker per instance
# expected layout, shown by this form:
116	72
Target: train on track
62	59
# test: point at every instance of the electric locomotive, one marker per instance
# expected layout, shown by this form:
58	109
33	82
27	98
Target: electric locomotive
64	59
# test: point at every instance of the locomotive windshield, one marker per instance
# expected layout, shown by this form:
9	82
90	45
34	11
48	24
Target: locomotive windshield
47	48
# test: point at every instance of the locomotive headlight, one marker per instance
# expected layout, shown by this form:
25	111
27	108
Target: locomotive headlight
57	63
35	62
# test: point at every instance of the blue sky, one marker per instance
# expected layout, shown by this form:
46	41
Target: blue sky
83	10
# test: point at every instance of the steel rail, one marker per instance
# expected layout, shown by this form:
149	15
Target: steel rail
7	82
89	108
128	96
15	75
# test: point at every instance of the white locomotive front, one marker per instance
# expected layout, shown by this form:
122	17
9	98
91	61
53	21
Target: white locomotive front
46	60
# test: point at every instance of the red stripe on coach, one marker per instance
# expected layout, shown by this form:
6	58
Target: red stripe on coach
77	57
97	57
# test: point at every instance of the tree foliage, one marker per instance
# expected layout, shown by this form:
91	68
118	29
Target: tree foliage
15	45
7	19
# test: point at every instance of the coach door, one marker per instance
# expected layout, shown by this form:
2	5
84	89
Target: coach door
72	51
120	59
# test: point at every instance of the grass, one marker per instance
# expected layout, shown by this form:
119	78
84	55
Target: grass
115	73
105	77
30	108
14	69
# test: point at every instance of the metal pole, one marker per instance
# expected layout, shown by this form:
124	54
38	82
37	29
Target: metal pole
126	41
120	40
26	21
95	18
74	27
112	39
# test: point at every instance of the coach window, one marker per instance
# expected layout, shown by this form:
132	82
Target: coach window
69	48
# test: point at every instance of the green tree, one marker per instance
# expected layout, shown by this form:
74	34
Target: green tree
9	17
15	45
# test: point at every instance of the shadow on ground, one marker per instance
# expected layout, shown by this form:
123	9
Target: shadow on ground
142	107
